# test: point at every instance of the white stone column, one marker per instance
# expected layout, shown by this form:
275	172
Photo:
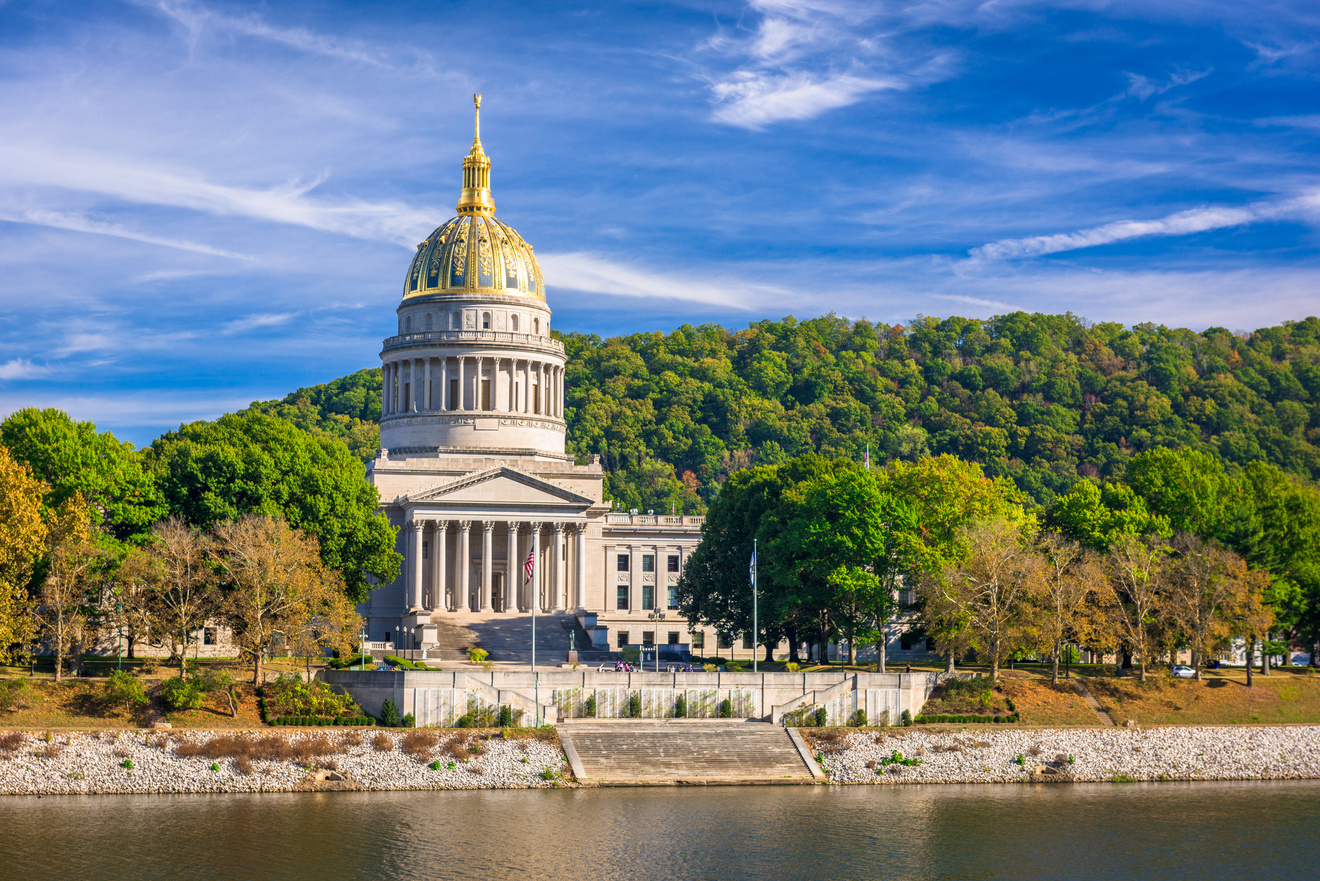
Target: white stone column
535	598
415	566
557	562
513	577
444	384
463	563
385	388
426	387
525	399
439	546
461	389
489	530
495	404
545	393
580	569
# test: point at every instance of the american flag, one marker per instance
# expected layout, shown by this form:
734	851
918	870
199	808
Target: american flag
527	566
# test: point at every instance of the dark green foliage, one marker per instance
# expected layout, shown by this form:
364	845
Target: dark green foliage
857	719
182	694
822	717
408	721
389	714
506	717
635	705
70	457
125	689
906	719
214	471
589	709
403	663
290	696
680	706
726	709
464	721
346	409
352	661
308	721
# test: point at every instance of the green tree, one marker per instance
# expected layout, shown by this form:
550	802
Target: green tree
211	472
73	459
1096	515
65	603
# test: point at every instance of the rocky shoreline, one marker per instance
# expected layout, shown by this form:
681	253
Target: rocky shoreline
1068	755
127	762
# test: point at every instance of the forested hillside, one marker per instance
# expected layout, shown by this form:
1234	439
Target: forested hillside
1038	399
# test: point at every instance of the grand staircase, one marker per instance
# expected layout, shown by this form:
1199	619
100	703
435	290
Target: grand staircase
506	638
631	752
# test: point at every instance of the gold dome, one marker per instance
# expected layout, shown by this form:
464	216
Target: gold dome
474	252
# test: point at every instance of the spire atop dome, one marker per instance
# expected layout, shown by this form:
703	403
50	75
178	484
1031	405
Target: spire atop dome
475	197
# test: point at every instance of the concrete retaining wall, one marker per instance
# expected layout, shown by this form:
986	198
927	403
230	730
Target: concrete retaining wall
436	697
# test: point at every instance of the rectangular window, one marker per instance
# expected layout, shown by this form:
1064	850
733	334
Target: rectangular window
723	641
426	550
623	562
673	598
648	637
623	639
673	637
621	602
453	395
648	596
699	640
648	562
673	562
209	636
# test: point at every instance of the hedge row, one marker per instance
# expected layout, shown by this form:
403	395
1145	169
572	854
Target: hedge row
323	720
937	717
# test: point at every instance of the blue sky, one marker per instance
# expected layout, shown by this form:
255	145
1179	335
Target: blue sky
207	203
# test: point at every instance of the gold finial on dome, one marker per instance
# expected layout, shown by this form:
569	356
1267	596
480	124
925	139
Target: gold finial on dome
475	197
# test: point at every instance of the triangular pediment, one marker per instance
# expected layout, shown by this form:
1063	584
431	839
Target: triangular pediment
501	485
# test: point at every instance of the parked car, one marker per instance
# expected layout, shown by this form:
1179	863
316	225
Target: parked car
1183	672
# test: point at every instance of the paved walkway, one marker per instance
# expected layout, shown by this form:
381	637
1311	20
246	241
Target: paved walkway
1090	699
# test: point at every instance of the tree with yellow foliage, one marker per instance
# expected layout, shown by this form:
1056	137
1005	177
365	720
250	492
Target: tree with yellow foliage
22	541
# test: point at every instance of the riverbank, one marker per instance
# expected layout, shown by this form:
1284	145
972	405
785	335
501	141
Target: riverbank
978	755
128	762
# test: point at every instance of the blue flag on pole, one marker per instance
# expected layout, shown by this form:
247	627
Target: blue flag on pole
751	569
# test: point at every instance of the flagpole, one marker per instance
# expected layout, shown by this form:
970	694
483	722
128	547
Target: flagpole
536	682
756	630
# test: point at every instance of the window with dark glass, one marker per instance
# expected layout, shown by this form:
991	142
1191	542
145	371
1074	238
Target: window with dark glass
648	563
673	562
623	562
648	637
623	638
673	597
699	640
622	600
648	596
673	637
724	641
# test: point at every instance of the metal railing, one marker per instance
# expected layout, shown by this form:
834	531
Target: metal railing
473	336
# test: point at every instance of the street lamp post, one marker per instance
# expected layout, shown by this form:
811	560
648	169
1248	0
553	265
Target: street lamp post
656	615
362	652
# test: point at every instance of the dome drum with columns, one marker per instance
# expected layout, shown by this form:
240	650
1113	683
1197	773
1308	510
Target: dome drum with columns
472	469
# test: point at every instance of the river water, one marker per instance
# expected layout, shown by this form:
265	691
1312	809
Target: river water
1165	831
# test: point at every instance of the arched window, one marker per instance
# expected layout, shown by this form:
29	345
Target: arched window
513	323
485	321
456	320
407	324
428	320
536	326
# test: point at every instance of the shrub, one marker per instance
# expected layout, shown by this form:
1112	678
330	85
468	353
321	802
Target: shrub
419	743
635	705
408	721
383	742
680	706
126	764
13	695
710	668
733	667
464	721
906	718
215	766
125	688
822	717
1021	761
182	694
726	709
352	660
589	710
291	696
792	667
857	719
10	741
506	717
389	714
477	655
435	765
243	765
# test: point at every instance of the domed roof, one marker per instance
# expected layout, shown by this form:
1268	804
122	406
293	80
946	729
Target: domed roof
474	252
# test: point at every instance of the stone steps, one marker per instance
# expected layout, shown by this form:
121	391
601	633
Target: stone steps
506	638
685	752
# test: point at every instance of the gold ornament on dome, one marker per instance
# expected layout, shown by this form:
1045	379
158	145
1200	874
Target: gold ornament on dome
496	243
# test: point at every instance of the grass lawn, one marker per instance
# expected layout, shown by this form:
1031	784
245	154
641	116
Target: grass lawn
1288	695
78	703
1041	703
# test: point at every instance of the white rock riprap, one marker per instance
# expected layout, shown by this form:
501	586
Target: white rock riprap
1094	754
82	763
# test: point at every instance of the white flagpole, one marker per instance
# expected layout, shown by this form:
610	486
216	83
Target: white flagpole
536	682
756	631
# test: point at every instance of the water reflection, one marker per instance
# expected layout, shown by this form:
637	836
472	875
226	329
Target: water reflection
1166	832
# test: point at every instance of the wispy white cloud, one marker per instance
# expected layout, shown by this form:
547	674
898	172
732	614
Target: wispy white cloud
161	407
253	322
1182	223
20	368
592	273
754	99
80	223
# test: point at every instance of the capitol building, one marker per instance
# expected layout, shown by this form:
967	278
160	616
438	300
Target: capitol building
472	469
